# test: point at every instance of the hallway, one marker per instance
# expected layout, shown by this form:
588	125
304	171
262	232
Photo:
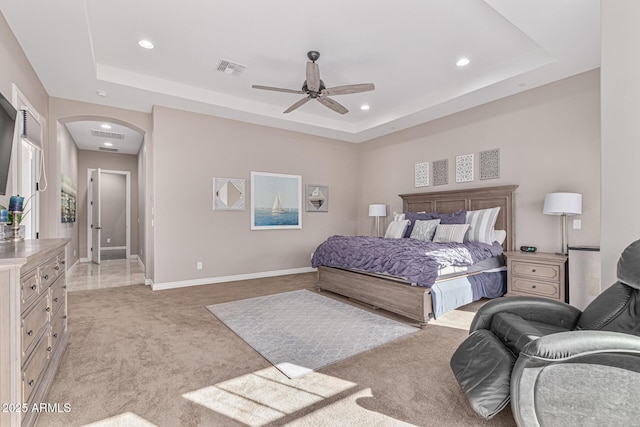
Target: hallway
108	274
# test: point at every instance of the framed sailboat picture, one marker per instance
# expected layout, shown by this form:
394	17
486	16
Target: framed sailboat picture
276	201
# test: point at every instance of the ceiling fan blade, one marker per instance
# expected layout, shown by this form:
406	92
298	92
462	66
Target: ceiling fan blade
278	89
313	77
347	89
335	106
297	104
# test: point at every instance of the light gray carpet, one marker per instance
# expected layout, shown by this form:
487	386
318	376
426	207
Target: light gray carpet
300	331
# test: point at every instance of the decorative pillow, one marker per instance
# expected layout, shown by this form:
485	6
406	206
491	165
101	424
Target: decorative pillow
396	229
424	230
458	217
415	216
481	225
450	233
398	217
499	236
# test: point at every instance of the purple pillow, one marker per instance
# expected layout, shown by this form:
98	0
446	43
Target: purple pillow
415	216
459	217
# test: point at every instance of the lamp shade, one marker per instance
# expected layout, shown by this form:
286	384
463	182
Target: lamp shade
562	204
377	210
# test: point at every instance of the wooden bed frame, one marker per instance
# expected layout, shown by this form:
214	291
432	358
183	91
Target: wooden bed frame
397	295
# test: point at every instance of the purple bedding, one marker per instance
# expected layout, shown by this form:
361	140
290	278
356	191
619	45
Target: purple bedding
414	260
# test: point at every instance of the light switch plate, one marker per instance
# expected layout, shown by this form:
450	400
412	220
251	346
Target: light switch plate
577	224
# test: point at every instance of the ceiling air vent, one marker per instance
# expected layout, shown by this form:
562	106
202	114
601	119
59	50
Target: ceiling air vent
231	68
103	134
110	150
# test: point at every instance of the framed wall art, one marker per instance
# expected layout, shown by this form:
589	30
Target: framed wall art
228	194
276	201
464	168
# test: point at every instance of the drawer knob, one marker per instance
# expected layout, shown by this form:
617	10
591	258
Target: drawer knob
62	262
31	383
46	277
48	348
33	287
533	270
534	286
57	267
48	309
30	333
55	335
55	300
64	317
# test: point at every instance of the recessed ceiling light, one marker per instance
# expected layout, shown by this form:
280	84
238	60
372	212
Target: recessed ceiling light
364	107
102	93
145	44
108	144
462	62
105	126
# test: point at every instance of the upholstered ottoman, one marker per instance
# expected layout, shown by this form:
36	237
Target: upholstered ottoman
482	365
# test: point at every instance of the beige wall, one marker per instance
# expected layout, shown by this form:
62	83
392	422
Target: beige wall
111	161
190	149
69	167
549	141
620	132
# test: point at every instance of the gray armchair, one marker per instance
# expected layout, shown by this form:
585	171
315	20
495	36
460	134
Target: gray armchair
558	365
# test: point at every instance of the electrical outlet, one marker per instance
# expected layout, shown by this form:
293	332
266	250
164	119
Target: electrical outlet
577	224
199	265
74	252
108	240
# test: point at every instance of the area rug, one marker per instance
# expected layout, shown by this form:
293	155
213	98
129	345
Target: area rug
301	331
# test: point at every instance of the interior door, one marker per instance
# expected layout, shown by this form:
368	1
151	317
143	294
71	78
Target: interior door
95	216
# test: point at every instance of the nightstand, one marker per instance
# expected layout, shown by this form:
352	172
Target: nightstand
537	274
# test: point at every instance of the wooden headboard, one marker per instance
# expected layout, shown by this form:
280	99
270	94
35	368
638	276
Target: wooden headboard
470	199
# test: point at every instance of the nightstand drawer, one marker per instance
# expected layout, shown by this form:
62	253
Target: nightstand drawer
543	289
537	271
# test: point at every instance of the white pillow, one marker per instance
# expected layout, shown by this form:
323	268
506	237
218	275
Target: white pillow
450	233
398	217
481	225
424	229
499	236
396	229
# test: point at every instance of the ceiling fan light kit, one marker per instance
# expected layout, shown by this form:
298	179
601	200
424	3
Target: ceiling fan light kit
315	88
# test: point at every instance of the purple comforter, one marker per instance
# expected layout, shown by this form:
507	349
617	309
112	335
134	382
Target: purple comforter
415	260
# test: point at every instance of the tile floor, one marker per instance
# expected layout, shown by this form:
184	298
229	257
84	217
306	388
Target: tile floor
109	274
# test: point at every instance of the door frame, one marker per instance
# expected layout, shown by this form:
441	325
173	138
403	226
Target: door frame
127	207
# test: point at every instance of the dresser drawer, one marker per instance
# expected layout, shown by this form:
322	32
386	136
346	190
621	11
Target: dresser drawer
58	291
34	367
29	288
537	271
49	273
33	322
543	289
58	325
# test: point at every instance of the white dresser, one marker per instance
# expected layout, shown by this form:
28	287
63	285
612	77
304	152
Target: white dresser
33	325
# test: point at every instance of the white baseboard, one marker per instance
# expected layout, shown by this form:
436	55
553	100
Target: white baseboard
234	278
112	248
73	267
148	282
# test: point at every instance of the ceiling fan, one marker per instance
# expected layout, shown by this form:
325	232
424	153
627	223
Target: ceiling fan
314	88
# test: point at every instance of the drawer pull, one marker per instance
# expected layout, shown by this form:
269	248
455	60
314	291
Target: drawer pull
31	383
55	335
33	287
62	262
533	286
55	300
48	348
48	309
30	333
64	317
533	270
57	267
64	287
46	277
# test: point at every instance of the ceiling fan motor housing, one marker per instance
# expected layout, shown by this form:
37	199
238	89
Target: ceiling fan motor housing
313	94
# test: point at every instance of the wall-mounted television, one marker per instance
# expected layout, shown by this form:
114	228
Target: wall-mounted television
7	126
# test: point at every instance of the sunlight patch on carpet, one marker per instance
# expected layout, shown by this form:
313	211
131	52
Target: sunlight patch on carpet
265	396
457	319
301	331
127	419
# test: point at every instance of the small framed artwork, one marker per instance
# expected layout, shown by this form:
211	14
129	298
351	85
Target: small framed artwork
316	198
441	172
67	200
422	174
228	194
464	168
490	164
276	201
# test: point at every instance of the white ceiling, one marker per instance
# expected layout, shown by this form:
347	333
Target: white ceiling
408	49
90	135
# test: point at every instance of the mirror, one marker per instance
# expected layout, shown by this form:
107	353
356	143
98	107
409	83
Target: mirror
228	194
317	199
